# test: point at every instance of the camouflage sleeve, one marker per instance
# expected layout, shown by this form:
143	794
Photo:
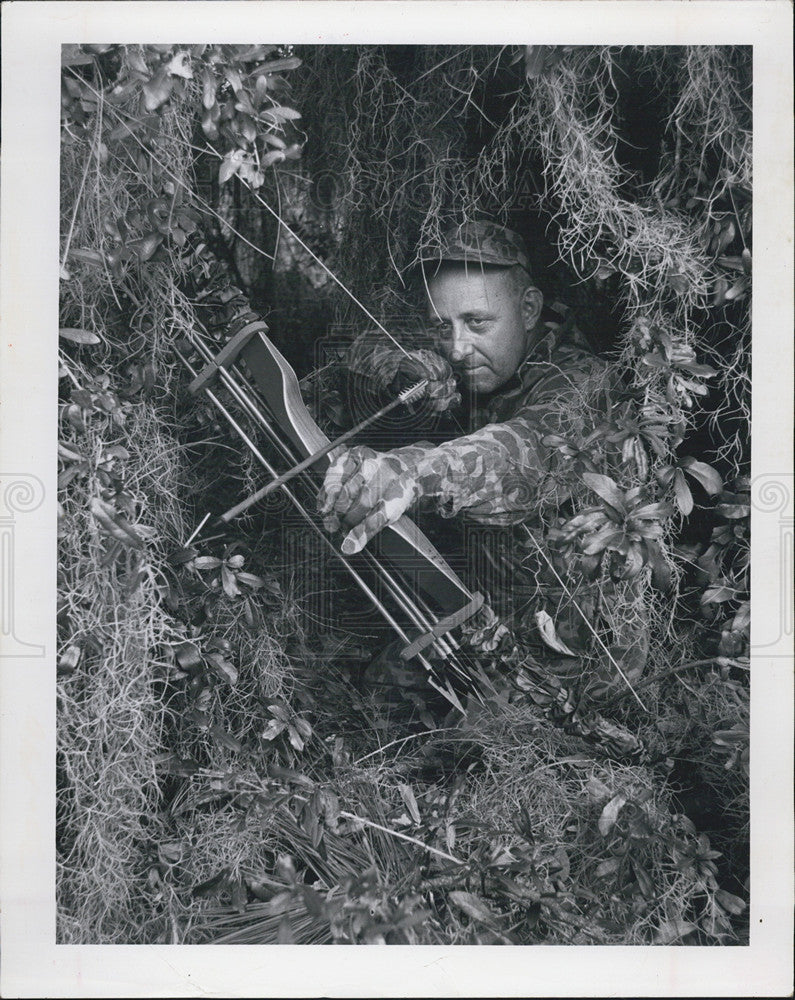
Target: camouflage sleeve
498	475
503	472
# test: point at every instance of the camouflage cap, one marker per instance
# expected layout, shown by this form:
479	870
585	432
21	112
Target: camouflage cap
483	243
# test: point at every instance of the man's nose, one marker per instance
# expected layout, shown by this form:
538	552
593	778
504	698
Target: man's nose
461	348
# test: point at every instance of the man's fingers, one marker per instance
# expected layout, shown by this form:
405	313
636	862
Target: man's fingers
443	395
344	499
358	537
338	475
331	523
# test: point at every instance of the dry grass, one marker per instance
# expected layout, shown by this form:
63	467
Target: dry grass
504	806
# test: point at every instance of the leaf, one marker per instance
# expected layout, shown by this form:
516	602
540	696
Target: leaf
233	77
652	511
274	140
68	455
731	904
199	719
295	738
410	802
609	815
183	555
535	60
546	628
660	570
331	808
654	360
671	931
115	523
633	562
278	66
679	283
274	156
239	895
78	336
274	728
737	290
608	867
732	511
684	498
449	836
188	656
644	881
703	474
230	166
69	659
604	487
597	790
473	906
169	853
157	90
286	114
208	123
145	248
719	294
71	55
586	522
742	619
206	562
253	54
211	885
702	371
220	735
302	727
250	580
600	540
285	933
223	668
312	901
180	65
718	594
231	588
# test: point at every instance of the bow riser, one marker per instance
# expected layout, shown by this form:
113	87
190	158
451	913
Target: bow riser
402	543
420	566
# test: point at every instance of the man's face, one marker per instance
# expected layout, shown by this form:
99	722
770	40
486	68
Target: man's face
481	324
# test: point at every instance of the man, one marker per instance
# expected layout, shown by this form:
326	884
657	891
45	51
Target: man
537	394
526	381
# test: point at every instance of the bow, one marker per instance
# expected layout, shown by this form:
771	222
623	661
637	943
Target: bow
425	595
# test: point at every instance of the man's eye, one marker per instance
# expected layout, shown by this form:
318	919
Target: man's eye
443	330
477	324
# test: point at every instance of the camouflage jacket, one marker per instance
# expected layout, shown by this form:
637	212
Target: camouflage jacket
502	472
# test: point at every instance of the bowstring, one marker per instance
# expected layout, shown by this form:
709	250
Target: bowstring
327	269
584	617
265	205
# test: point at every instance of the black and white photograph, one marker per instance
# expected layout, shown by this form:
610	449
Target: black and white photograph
401	480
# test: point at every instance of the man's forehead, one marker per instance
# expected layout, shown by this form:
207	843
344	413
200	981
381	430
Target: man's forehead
466	287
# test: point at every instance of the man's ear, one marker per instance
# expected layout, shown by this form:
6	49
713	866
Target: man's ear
532	304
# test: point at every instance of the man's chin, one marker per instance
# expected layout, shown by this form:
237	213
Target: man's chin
480	380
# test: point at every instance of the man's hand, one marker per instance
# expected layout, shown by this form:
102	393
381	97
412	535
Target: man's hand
365	491
395	370
442	388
